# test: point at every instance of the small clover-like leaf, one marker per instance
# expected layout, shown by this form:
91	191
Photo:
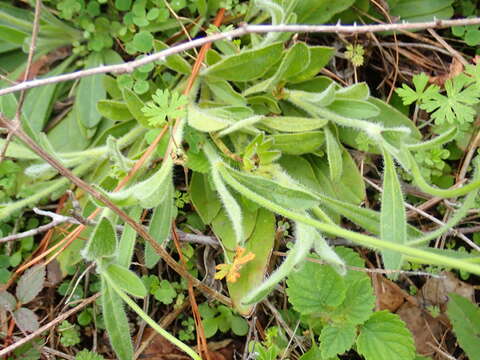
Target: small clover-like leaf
30	284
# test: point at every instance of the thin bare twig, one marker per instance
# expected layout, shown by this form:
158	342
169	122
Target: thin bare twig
31	52
56	220
45	327
164	254
242	30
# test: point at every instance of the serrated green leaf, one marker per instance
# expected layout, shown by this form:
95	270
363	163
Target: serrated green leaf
26	319
102	242
315	288
293	123
334	154
358	304
116	323
393	220
30	284
465	318
126	280
246	66
159	227
288	195
114	110
385	337
336	339
7	301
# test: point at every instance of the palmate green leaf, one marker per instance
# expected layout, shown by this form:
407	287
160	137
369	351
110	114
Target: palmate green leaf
246	66
90	91
116	323
385	337
30	284
159	227
393	220
293	123
114	110
102	241
465	318
334	154
336	339
164	104
305	238
315	289
290	195
126	280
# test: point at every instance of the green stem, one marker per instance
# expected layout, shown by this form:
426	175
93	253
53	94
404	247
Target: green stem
10	208
150	321
444	193
335	230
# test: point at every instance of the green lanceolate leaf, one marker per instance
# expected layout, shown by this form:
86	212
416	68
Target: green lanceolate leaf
443	138
293	123
148	193
334	153
114	110
465	318
290	196
127	241
135	106
359	91
336	339
385	336
357	109
246	66
319	57
175	62
230	204
260	243
102	241
393	220
295	60
204	198
299	143
116	323
126	280
305	237
90	91
159	227
205	120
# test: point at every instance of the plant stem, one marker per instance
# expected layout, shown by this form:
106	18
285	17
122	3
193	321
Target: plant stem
361	239
150	321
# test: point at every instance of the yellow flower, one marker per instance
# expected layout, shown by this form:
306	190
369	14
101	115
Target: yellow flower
232	271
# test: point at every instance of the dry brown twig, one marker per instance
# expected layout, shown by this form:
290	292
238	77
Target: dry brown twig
240	31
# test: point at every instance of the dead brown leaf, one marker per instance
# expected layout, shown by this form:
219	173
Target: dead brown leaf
456	68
